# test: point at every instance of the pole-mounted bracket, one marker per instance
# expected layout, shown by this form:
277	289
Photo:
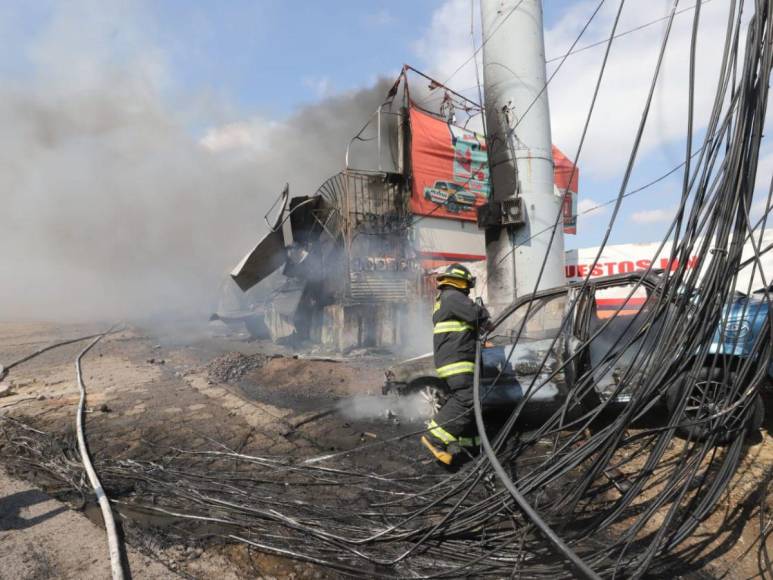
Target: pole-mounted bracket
508	212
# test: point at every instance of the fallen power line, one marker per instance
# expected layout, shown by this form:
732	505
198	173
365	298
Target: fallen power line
591	490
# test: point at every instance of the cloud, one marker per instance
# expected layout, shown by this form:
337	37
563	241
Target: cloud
764	173
246	137
758	209
653	216
446	44
85	39
589	208
626	83
322	87
626	80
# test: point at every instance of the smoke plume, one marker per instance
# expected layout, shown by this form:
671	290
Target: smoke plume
115	208
411	408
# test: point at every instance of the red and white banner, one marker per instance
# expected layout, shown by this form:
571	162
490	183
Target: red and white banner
450	168
623	258
566	177
451	172
619	259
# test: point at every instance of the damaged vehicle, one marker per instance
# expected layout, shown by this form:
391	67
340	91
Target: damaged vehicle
603	336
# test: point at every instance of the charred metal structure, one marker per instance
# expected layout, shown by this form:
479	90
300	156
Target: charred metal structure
350	270
357	256
348	266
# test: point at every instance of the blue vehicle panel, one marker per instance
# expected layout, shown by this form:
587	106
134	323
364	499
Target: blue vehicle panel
742	322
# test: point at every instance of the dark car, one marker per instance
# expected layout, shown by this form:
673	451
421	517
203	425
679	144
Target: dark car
607	326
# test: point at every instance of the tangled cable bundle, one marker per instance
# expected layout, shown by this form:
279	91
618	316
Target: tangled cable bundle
400	524
584	494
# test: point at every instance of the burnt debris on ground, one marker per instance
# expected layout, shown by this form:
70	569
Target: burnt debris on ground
342	483
232	366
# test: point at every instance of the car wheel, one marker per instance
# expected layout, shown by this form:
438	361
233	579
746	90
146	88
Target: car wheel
711	394
430	397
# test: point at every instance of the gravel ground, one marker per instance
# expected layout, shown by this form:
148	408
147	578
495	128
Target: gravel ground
231	367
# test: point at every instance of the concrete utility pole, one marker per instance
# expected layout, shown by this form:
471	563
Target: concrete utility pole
519	141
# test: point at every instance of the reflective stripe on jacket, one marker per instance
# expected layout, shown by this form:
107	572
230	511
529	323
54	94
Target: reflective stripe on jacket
456	368
452	326
456	319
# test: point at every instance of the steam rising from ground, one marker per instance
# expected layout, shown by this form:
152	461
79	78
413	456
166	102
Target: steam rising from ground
113	208
411	408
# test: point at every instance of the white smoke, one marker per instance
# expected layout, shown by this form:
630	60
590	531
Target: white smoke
410	408
113	207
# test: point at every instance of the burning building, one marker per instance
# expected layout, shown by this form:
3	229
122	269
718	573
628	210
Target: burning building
357	256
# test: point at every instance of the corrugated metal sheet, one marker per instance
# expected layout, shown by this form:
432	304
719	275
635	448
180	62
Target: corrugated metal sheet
265	258
377	287
269	255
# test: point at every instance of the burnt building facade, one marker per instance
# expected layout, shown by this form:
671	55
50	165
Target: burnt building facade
357	257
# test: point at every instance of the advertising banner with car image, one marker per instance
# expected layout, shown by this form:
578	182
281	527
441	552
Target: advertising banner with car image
450	168
565	179
451	171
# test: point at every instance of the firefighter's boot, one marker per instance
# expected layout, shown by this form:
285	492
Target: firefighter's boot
445	454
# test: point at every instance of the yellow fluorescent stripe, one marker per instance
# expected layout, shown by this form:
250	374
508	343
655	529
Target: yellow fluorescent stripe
436	307
440	433
455	369
452	326
448	438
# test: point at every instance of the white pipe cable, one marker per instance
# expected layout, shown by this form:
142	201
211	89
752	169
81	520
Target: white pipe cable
113	542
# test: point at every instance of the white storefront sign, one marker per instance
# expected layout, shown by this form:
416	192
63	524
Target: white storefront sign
624	258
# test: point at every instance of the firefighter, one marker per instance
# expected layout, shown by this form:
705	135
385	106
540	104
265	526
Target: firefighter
457	323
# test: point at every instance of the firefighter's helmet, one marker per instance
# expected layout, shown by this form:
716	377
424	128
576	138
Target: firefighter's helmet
456	275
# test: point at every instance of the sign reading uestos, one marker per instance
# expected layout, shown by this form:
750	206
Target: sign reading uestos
451	172
624	258
624	265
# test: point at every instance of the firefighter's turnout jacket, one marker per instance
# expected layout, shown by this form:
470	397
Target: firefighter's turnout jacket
456	319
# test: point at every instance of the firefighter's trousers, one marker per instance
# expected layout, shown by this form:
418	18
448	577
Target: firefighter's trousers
456	420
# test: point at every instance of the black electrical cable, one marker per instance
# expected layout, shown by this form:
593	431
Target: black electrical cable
579	565
595	483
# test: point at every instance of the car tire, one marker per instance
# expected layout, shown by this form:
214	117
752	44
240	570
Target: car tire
433	394
704	397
